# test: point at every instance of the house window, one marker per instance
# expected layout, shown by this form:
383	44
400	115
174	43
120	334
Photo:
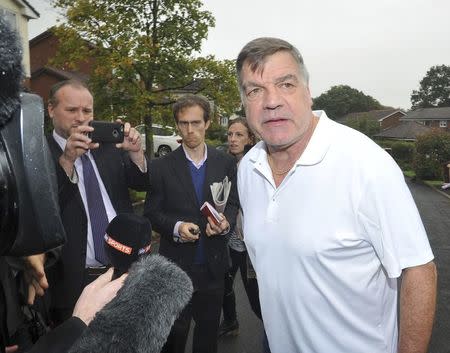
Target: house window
10	17
443	123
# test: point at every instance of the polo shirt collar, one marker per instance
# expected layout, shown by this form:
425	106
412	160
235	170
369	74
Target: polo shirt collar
320	141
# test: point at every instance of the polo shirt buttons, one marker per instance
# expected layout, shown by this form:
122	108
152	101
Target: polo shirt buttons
272	211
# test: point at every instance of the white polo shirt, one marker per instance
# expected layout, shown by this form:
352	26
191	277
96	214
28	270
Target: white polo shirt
329	243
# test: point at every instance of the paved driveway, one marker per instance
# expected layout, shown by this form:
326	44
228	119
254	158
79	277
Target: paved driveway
435	211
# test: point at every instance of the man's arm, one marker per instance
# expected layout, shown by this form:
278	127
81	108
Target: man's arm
417	308
156	198
93	298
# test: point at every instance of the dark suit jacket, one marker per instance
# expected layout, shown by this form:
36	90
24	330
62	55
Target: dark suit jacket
118	173
60	339
172	198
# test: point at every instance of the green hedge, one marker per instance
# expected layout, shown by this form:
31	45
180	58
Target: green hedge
432	151
402	151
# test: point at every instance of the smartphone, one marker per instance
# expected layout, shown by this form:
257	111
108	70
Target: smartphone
106	132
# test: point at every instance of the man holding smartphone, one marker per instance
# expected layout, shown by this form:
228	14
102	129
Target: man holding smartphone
93	181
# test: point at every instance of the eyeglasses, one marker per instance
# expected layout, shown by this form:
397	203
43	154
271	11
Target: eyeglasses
185	124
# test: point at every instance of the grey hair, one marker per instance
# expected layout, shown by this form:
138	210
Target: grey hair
255	53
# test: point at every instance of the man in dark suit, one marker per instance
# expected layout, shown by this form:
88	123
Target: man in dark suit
180	183
113	169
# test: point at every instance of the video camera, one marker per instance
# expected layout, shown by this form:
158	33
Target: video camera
29	211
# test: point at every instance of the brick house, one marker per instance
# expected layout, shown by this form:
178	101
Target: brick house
431	117
43	76
386	118
405	131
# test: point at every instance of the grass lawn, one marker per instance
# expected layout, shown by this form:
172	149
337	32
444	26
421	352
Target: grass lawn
434	183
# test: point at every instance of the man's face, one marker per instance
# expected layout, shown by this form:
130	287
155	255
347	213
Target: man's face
74	108
277	100
192	127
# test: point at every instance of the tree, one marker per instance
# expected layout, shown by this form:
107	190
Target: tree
341	100
434	89
145	54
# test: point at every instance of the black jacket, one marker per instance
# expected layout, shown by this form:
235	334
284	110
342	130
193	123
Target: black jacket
118	173
172	198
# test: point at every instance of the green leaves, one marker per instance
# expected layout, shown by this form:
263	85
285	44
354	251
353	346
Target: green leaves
341	100
434	89
144	54
432	151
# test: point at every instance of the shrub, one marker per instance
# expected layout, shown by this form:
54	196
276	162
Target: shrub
432	151
403	153
365	125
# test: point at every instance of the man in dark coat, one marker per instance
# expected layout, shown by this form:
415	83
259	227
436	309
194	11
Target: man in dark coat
180	184
114	168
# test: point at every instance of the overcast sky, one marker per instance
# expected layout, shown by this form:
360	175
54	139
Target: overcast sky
381	47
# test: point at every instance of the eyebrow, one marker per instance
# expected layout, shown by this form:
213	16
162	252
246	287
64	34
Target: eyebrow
190	121
277	80
286	78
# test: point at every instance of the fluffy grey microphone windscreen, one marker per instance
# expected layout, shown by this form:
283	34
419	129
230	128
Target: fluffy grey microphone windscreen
11	73
140	317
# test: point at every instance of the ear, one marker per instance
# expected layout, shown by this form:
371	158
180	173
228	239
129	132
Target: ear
50	110
207	124
309	96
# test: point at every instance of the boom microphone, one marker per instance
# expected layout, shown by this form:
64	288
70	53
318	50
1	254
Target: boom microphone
127	237
139	318
11	73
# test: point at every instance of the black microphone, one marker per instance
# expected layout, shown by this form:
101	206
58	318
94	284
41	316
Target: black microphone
11	73
139	318
127	237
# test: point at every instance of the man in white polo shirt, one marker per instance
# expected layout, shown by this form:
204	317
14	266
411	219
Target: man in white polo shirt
329	222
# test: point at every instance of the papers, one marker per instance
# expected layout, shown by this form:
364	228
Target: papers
220	192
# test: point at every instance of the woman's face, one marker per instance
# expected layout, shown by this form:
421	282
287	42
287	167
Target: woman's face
238	137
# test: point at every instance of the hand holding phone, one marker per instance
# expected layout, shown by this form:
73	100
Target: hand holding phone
106	132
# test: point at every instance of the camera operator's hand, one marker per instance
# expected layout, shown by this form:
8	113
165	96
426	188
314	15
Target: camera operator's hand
132	143
96	295
35	276
77	144
12	349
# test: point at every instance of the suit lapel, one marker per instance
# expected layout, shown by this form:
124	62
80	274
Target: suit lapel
181	171
209	177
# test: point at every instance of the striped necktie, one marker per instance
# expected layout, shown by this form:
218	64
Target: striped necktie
97	211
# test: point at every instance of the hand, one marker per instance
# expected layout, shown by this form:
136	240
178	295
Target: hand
11	349
132	143
188	231
214	229
96	295
35	276
77	144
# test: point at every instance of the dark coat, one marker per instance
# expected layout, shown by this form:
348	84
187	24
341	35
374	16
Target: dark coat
172	198
118	173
